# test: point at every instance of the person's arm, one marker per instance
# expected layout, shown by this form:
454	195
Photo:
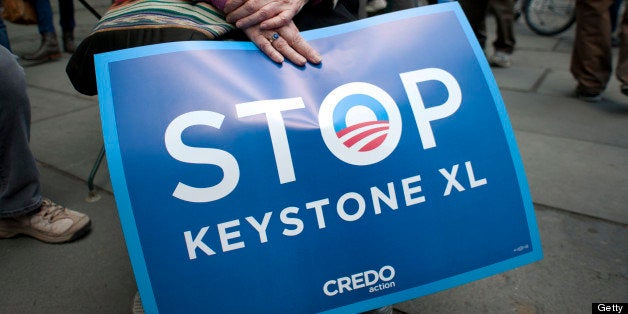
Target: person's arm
219	4
268	13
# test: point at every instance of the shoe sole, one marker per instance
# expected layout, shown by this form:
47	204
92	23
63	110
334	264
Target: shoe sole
53	57
497	65
7	234
591	99
500	64
81	231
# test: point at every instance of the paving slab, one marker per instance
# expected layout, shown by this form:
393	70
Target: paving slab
566	117
578	176
527	40
541	59
518	77
46	104
47	76
91	275
69	142
558	83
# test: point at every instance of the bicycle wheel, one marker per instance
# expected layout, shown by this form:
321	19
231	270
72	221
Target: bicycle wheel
550	17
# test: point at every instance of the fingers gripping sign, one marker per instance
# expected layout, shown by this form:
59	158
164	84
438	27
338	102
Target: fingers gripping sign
265	45
284	42
284	46
294	47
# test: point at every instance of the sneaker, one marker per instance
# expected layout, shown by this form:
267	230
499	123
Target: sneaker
376	5
500	59
624	89
52	223
588	97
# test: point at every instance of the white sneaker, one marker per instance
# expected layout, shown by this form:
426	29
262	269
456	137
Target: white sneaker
52	223
500	59
376	5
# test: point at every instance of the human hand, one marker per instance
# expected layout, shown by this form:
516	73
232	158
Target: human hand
270	14
283	42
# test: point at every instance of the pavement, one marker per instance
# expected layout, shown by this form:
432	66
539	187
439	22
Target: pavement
575	155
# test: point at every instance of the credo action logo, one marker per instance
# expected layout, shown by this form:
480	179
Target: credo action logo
374	280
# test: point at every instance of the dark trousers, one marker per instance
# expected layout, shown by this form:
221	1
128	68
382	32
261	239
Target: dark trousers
476	11
20	191
591	60
66	15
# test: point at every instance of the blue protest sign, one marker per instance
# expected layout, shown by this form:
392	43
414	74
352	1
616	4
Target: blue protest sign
386	173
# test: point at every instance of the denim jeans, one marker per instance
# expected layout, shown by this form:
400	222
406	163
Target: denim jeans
45	17
4	37
20	190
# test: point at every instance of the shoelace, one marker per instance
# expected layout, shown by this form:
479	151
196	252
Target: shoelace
51	210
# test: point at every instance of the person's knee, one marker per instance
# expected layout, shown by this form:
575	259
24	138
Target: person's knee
10	69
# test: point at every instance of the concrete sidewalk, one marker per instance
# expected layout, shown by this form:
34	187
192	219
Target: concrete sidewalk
575	155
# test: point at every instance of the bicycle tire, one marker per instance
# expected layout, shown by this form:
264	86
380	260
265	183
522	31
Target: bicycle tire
549	17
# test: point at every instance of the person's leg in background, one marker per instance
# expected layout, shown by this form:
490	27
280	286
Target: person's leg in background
475	11
614	12
622	65
591	59
49	48
4	36
66	15
504	44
